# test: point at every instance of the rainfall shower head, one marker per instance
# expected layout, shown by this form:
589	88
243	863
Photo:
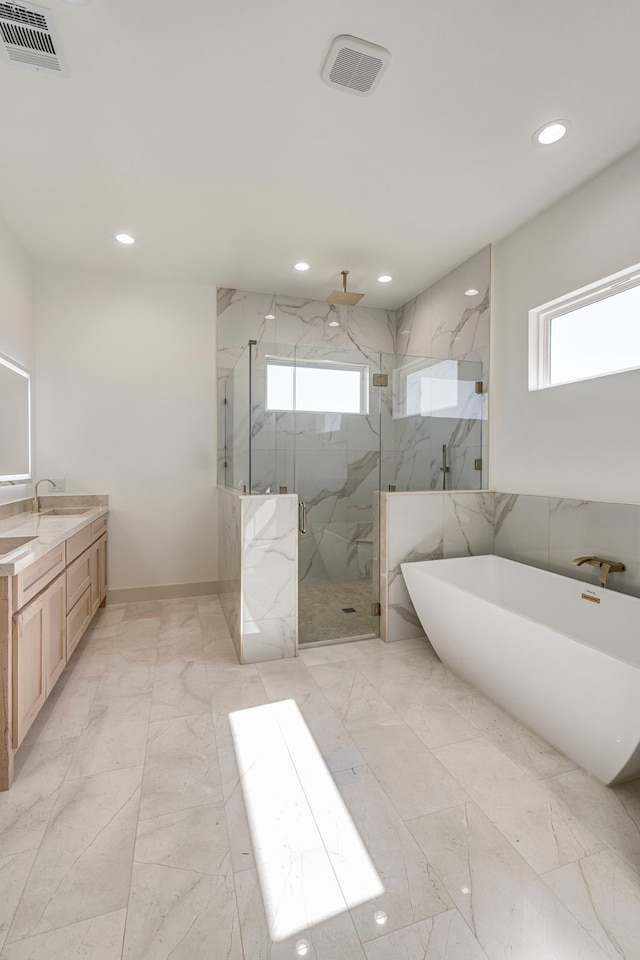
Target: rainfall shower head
341	296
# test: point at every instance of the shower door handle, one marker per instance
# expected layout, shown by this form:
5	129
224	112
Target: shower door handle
302	516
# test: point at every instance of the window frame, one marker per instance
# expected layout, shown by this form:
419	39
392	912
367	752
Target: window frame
540	319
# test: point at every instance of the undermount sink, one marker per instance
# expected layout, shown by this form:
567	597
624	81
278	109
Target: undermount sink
9	544
64	512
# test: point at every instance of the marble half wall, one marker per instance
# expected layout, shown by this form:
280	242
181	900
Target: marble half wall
550	532
545	532
426	526
259	567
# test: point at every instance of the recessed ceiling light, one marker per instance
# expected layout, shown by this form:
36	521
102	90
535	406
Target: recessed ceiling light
334	323
301	265
302	948
125	238
404	331
385	278
551	132
471	292
269	316
380	917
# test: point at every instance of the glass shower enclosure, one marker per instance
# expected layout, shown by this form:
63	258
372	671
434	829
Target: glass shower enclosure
336	427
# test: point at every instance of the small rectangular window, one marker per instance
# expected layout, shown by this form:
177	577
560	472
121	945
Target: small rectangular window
592	332
317	386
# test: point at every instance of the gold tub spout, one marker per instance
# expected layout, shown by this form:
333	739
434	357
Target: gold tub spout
606	566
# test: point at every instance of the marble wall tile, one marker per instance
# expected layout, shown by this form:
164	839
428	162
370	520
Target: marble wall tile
468	524
269	557
230	540
579	528
269	639
522	528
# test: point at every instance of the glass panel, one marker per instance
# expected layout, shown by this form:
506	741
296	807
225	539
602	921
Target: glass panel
337	474
432	424
236	423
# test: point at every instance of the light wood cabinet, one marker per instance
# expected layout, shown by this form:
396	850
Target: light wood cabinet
78	620
55	640
39	655
49	606
98	572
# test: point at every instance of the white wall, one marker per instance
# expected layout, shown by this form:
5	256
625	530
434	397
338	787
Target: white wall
578	440
126	406
17	325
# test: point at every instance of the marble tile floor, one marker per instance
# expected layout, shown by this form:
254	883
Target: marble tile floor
125	834
321	616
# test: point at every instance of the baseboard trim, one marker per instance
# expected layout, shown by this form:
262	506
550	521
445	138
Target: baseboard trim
172	591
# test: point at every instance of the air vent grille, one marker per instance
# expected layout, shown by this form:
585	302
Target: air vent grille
10	11
354	65
355	70
28	37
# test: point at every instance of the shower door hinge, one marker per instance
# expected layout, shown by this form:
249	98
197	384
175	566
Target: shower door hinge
225	401
376	610
381	380
479	386
477	463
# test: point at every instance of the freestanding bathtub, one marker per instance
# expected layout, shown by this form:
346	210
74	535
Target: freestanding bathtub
559	654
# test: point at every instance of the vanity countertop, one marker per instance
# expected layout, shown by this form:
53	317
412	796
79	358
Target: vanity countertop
49	530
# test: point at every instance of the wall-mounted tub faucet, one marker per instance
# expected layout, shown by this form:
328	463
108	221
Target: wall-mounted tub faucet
606	566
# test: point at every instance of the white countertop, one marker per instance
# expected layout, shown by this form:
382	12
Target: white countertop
49	530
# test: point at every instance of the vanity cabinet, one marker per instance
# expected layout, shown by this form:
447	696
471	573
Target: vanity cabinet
39	654
55	598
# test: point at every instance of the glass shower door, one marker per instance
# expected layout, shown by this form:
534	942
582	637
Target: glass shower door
335	448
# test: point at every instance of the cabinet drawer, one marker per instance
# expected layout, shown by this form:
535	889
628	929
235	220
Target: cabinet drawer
78	578
78	620
98	527
77	544
31	581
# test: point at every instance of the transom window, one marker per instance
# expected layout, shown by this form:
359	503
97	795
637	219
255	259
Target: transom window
592	332
315	386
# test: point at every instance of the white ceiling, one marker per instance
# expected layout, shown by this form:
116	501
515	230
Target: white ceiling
203	128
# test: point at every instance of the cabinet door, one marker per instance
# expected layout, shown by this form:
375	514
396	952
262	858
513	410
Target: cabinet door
78	621
102	567
95	578
29	683
55	636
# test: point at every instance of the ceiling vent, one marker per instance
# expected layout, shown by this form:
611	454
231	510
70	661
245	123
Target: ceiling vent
28	37
354	65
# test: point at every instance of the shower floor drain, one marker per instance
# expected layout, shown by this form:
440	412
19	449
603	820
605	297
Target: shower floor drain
348	609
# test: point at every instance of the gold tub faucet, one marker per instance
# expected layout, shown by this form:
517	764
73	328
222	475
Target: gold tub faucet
606	566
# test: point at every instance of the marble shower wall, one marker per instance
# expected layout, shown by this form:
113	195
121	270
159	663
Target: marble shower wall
331	461
259	557
443	322
426	526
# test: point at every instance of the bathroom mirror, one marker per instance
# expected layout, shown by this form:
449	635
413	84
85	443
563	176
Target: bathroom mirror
15	421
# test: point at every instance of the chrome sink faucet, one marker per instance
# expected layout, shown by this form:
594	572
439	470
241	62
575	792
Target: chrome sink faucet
606	566
35	503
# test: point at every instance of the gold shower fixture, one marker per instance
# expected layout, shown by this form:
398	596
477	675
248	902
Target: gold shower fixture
342	296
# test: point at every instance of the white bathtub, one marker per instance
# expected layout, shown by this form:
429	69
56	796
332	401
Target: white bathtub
567	667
